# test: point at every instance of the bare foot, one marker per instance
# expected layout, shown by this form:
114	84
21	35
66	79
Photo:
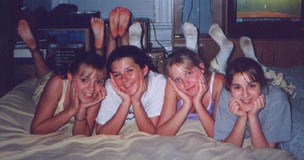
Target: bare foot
114	20
26	34
124	18
98	31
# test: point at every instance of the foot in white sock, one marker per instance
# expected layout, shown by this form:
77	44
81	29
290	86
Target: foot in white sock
226	47
135	32
248	50
218	36
190	33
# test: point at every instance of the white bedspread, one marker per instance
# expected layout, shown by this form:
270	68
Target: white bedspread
17	110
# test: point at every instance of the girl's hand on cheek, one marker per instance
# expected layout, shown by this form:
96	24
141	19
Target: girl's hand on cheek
69	88
203	88
141	90
103	93
123	95
258	105
181	94
236	108
74	98
99	97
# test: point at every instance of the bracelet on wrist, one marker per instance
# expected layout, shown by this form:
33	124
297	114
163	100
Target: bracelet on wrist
77	119
99	49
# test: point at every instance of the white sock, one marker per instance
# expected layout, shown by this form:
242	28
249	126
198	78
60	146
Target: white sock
225	45
247	48
135	32
190	33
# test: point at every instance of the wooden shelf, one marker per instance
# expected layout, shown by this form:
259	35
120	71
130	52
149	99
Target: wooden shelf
271	52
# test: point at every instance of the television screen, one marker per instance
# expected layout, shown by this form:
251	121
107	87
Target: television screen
265	18
62	44
268	10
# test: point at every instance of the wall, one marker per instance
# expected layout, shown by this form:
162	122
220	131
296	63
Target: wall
158	11
33	4
8	27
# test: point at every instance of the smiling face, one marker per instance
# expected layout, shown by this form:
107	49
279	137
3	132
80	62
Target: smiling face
89	82
185	79
245	90
127	75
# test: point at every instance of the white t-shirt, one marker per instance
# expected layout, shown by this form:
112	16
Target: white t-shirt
152	99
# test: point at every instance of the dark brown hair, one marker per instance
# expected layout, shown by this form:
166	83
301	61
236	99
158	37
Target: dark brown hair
246	66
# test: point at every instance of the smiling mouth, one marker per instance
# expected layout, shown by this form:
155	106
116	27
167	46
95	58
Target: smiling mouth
190	88
246	102
129	85
88	95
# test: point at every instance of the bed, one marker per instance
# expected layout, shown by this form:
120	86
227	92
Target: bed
17	110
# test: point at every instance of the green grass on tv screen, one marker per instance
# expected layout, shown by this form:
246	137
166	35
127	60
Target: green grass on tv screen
292	7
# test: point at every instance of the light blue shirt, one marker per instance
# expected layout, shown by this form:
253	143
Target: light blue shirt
275	118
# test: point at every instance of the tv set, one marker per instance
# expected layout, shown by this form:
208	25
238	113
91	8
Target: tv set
82	36
60	45
266	18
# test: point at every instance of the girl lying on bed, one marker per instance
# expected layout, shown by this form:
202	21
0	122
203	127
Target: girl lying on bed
194	91
84	89
250	111
135	93
218	64
73	100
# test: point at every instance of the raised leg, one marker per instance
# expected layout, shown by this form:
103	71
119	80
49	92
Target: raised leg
98	27
28	38
248	50
219	63
124	19
135	33
114	22
190	33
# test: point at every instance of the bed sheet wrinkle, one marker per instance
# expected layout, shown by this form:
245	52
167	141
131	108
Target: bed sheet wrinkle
12	132
6	115
17	110
213	151
34	144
